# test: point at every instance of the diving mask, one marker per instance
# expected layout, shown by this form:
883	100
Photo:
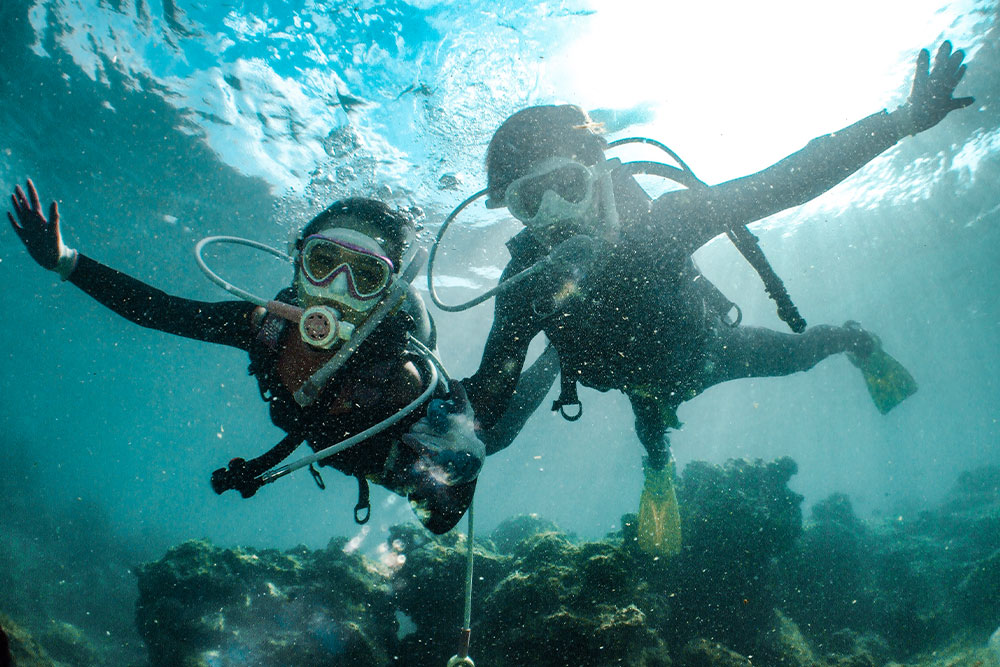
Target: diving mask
558	189
343	266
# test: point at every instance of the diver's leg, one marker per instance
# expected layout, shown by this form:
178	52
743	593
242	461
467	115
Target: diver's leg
743	352
659	525
651	427
532	387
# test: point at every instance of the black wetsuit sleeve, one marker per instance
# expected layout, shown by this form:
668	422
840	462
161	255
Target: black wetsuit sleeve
532	387
226	322
514	326
696	216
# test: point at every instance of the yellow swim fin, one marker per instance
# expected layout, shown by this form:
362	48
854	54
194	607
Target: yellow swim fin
888	381
659	517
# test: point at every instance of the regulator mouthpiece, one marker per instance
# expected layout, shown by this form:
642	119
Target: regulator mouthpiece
321	327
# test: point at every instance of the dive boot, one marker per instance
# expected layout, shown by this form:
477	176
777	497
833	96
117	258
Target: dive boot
659	517
888	381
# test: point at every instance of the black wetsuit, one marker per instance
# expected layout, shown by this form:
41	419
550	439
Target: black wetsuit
641	320
235	323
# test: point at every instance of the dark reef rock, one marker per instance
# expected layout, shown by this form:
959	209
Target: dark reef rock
914	584
68	644
26	652
568	604
736	519
515	530
202	605
704	653
751	585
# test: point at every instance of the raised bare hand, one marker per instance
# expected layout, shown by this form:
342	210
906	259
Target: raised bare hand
932	95
40	235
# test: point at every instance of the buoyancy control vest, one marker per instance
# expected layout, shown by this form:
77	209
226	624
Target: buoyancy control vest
357	398
712	300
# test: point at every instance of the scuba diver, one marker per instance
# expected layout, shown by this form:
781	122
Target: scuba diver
344	357
606	272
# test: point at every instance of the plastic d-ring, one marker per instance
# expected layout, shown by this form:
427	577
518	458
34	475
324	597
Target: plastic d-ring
568	417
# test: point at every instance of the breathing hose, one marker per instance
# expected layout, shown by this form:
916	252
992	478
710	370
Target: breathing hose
489	294
271	475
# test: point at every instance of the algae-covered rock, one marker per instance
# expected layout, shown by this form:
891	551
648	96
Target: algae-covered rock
978	595
518	528
568	604
741	507
705	653
751	584
25	650
67	643
736	519
549	601
827	582
912	581
785	645
429	589
201	604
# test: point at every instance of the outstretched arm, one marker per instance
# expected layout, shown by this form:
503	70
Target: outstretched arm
227	322
822	164
532	387
492	386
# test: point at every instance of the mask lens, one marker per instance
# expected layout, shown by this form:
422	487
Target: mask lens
369	273
323	258
570	181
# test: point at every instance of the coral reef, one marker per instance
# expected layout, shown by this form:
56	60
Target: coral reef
203	605
754	584
913	583
24	650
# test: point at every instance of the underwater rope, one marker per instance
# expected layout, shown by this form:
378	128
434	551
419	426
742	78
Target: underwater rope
462	659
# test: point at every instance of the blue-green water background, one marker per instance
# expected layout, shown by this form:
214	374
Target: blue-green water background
155	124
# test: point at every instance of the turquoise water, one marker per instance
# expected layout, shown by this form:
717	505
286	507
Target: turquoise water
155	125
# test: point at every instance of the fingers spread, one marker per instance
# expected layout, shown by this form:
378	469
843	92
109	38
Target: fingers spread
13	222
943	53
33	193
958	71
19	199
962	102
54	214
923	62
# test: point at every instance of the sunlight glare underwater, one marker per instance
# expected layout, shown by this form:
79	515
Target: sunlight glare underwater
743	84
